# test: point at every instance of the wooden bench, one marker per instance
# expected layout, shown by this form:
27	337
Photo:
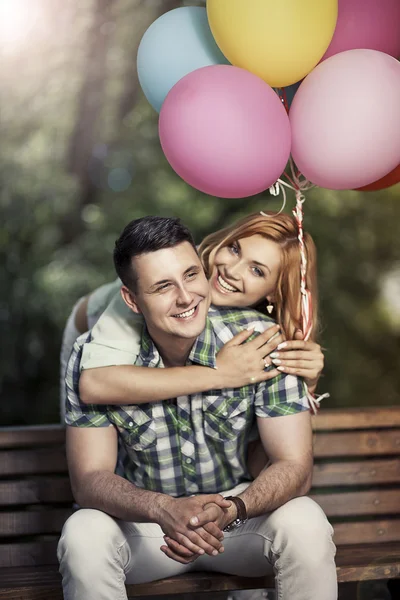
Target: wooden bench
356	481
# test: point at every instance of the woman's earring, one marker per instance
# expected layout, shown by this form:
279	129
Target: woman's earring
270	307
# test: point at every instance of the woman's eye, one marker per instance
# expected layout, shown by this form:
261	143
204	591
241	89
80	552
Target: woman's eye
257	272
234	249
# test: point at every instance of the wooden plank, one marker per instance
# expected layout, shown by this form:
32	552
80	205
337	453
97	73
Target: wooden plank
37	583
358	443
357	418
367	532
32	462
33	522
377	502
368	562
357	472
29	554
42	435
35	491
354	563
197	583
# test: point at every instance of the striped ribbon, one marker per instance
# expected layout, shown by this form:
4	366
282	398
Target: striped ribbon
299	184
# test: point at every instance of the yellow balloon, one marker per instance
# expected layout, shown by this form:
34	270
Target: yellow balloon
281	41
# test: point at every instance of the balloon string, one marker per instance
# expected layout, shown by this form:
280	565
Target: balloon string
283	97
298	184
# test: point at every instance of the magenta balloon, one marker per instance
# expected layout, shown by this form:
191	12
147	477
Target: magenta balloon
345	120
372	24
225	131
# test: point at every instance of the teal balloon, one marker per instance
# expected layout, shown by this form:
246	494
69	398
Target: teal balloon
177	43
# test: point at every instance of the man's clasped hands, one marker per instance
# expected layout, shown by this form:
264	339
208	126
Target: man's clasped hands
194	526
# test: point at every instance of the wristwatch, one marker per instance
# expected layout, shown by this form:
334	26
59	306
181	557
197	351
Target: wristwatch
241	518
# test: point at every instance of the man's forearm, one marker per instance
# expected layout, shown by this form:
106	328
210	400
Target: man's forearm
275	486
119	498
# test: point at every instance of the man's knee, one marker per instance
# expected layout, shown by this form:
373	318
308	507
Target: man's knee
88	538
301	526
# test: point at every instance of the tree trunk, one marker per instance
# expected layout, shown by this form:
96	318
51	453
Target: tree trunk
130	94
91	98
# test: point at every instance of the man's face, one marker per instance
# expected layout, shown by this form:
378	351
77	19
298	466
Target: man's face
172	293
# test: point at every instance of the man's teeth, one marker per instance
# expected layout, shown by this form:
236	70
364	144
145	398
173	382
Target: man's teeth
186	314
225	285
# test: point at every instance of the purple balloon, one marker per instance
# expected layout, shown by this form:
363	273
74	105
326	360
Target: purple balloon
225	132
372	24
345	120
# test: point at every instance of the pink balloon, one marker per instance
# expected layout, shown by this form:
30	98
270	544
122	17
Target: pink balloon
345	120
372	24
225	131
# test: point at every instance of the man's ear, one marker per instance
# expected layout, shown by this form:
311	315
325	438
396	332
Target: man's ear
130	299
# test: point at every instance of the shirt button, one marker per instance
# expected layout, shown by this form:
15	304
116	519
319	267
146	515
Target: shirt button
225	413
188	460
184	428
130	423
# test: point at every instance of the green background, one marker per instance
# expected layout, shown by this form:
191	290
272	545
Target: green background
80	157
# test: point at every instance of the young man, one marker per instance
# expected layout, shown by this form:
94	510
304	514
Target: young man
176	456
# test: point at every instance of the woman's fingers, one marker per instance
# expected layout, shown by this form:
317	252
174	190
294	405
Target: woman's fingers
240	337
264	337
296	355
300	345
267	375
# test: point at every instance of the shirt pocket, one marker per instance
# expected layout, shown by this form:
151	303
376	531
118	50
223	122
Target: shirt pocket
137	428
226	417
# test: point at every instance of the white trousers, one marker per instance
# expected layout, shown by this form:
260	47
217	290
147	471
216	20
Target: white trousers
98	554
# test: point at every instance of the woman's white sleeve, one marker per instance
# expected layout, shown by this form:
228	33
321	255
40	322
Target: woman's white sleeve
115	337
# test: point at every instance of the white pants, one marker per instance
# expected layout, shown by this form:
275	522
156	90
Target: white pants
98	554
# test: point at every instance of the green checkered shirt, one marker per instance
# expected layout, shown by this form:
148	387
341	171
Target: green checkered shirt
190	444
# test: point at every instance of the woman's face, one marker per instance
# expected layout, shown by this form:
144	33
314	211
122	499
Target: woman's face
245	272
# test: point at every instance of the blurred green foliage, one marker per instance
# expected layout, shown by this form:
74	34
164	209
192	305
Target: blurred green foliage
80	157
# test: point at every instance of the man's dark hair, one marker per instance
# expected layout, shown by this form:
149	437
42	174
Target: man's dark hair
144	235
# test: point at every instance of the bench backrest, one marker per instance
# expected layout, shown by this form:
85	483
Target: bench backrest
356	481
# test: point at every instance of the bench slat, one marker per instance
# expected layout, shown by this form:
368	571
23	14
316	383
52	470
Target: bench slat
358	443
33	522
35	491
354	563
367	532
29	554
36	435
357	418
33	462
377	502
357	472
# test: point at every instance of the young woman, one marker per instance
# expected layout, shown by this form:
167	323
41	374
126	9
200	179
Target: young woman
252	263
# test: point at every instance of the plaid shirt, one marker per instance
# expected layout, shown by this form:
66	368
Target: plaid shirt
191	444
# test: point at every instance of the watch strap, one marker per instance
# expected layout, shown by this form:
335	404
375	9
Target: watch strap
240	507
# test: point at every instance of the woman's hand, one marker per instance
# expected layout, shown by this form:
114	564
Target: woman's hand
298	357
240	364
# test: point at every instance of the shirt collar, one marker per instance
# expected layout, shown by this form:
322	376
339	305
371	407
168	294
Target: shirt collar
203	351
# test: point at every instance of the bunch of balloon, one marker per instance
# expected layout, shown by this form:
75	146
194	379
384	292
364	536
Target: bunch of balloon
222	127
211	73
345	117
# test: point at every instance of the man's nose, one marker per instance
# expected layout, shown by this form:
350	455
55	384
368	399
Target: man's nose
184	297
